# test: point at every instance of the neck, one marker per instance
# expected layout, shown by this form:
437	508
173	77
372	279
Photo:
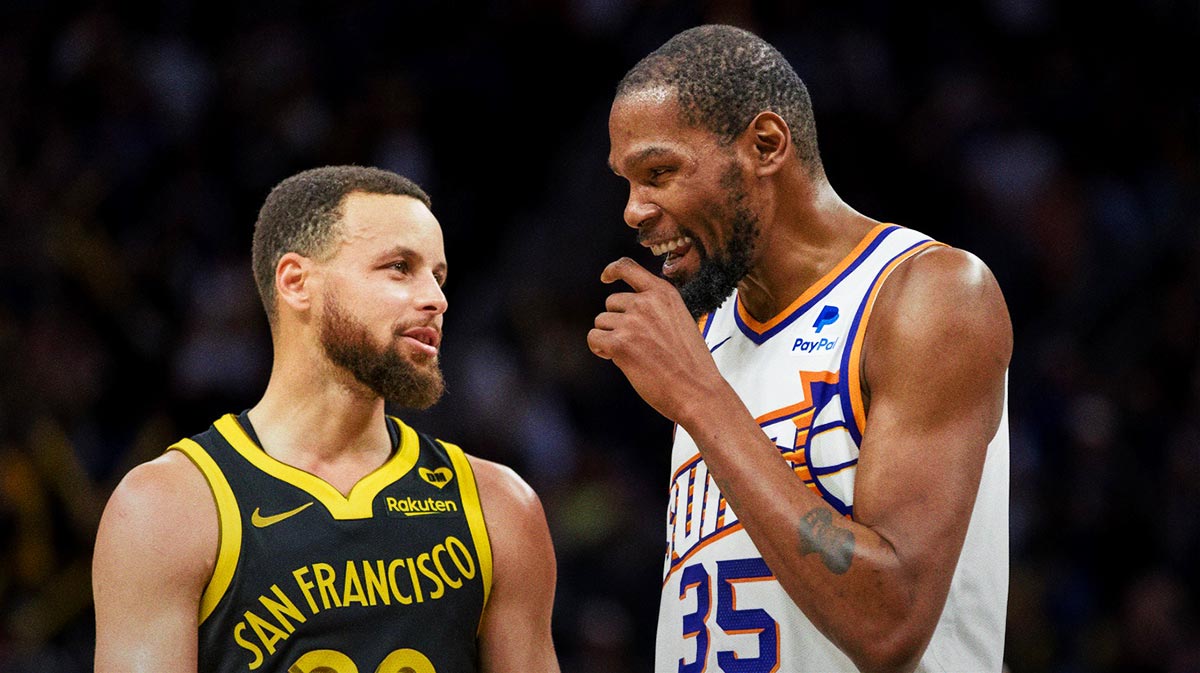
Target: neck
806	230
314	413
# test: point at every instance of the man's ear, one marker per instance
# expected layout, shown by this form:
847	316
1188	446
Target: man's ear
294	281
770	140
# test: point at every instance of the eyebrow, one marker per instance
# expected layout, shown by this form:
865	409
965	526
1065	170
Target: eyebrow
642	155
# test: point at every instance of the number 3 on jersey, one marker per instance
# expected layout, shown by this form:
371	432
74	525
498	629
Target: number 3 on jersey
730	619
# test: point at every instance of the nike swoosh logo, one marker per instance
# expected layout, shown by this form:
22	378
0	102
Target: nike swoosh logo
261	521
714	348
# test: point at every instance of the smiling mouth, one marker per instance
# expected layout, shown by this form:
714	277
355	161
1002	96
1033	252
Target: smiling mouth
667	247
675	253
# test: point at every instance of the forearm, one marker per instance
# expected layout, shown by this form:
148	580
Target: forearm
847	578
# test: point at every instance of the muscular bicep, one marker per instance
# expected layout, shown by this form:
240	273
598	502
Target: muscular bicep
515	633
154	553
934	362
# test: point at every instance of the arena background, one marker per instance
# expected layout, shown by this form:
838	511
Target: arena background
1058	141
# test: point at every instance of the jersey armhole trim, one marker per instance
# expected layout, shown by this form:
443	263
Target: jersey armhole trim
229	526
853	370
473	509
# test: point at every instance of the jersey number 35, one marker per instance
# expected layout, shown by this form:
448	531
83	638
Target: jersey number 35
730	619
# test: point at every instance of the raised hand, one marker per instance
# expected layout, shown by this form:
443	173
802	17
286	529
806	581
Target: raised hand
650	335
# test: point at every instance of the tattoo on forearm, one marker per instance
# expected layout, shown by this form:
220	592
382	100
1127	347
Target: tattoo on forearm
834	544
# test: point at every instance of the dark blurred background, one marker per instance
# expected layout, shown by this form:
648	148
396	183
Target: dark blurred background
1059	141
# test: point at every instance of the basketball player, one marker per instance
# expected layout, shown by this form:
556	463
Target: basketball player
313	532
838	497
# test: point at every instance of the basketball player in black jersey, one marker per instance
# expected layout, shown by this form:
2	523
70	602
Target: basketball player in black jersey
313	532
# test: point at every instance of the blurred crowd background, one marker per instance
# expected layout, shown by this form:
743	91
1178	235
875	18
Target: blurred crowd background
1059	141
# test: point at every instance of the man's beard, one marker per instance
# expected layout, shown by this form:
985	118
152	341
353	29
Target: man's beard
385	371
719	274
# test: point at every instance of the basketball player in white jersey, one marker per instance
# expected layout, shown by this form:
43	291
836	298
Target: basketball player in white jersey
839	489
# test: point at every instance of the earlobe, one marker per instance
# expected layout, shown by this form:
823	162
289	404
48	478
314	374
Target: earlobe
293	279
772	142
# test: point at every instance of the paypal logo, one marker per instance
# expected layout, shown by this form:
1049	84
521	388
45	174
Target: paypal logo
829	315
813	346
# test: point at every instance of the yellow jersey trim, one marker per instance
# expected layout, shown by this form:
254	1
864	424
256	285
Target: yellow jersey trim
473	509
356	505
229	528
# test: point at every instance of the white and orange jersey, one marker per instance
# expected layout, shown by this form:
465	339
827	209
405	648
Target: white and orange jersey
798	374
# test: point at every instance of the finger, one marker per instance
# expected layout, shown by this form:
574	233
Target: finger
608	321
620	302
598	341
631	272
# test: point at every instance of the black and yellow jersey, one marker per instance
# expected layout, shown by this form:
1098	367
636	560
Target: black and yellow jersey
392	577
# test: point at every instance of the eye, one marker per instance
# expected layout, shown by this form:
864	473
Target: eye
401	266
655	174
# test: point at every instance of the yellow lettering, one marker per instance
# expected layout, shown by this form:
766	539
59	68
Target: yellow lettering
412	572
306	587
376	584
392	582
392	505
262	628
278	610
325	577
456	547
423	564
352	591
454	584
242	642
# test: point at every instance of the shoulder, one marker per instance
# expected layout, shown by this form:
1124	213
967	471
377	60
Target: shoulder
166	480
943	271
939	326
503	490
944	294
516	522
163	507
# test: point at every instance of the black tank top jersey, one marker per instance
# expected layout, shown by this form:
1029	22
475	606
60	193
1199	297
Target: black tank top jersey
391	578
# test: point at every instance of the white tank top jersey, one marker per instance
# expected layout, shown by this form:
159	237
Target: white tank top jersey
798	374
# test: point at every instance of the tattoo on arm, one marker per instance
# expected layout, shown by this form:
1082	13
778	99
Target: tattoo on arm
834	544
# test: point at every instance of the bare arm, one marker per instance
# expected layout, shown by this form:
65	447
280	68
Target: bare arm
155	551
515	634
936	352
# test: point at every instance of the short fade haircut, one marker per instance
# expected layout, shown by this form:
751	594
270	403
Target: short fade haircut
723	77
301	215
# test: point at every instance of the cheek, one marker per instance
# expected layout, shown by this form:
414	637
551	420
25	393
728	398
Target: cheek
711	222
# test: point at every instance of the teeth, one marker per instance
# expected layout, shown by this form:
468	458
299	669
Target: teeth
669	246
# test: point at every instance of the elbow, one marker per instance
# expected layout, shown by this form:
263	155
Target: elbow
896	652
896	647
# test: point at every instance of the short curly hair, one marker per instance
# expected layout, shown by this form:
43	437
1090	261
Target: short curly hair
724	77
301	213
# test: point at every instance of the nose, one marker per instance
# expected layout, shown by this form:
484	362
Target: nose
430	296
638	209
